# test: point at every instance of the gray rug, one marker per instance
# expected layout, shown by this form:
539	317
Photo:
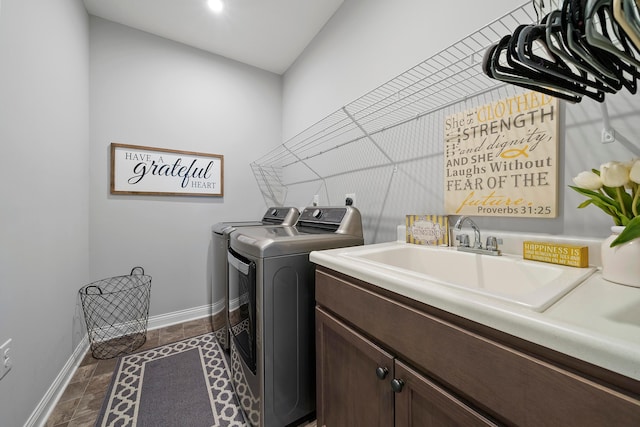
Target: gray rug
180	384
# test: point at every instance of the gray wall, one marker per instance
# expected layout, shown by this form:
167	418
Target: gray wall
367	43
44	185
146	90
69	86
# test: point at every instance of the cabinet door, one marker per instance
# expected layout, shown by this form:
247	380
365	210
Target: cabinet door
421	403
353	377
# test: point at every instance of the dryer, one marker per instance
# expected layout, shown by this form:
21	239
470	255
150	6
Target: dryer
219	289
273	329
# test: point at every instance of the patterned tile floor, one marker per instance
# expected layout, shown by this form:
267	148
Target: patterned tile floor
81	401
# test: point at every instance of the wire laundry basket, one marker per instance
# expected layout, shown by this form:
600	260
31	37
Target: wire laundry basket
116	311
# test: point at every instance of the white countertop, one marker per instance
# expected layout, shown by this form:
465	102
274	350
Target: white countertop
598	321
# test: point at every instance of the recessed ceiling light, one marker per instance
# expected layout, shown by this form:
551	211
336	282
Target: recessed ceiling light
215	5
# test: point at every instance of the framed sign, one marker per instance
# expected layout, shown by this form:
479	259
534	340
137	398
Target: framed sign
157	171
501	159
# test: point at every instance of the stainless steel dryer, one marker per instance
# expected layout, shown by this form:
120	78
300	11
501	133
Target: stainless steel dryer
219	288
273	331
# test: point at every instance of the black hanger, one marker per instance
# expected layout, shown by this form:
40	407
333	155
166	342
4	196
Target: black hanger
573	36
630	33
556	43
603	39
533	36
540	77
604	61
627	15
580	50
493	68
598	34
486	60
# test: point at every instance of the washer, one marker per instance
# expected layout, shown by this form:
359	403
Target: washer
272	329
219	289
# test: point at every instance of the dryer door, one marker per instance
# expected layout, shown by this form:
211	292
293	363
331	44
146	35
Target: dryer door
242	306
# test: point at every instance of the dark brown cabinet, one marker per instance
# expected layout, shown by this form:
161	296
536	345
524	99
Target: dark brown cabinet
447	370
351	393
363	385
422	403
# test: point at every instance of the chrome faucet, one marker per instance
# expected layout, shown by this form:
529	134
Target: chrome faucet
476	230
492	242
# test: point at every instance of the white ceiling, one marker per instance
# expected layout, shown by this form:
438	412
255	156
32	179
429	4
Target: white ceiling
268	34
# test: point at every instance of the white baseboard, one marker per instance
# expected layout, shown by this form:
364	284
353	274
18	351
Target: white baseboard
44	409
40	415
164	320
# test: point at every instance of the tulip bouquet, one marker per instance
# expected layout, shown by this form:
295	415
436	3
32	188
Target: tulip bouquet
615	189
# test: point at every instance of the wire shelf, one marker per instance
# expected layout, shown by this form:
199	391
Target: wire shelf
447	78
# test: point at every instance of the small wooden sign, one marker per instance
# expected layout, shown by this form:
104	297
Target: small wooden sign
157	171
501	159
427	229
556	253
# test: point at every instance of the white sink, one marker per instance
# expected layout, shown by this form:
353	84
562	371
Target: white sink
532	284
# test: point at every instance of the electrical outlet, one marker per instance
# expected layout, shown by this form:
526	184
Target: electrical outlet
350	199
316	200
6	361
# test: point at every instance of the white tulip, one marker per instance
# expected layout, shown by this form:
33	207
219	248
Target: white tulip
634	173
588	180
614	174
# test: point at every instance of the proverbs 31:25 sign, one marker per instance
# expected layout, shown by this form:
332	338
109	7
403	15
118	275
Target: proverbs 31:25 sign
156	171
501	159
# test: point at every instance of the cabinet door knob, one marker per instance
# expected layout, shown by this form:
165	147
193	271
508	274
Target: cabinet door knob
382	372
397	385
